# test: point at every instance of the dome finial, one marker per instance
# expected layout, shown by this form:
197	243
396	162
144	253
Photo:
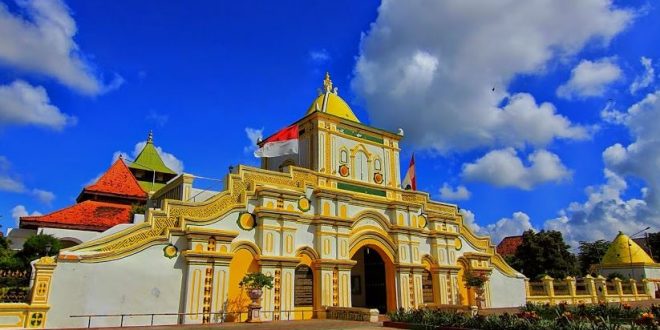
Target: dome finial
150	138
327	83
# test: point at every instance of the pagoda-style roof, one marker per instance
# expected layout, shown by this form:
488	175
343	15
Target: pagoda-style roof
624	251
149	159
117	181
87	215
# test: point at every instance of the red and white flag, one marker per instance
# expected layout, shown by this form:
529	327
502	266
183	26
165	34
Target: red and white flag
284	142
410	180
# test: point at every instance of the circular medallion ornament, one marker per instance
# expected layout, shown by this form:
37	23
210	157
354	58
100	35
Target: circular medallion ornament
246	221
378	178
344	171
170	251
458	244
304	204
421	221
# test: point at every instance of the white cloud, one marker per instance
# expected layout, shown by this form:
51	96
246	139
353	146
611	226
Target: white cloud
24	104
644	80
254	135
319	56
20	211
590	79
503	168
604	214
41	41
439	60
605	211
169	159
504	227
470	221
447	192
43	196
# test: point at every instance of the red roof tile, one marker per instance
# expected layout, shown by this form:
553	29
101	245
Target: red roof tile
117	181
87	215
509	245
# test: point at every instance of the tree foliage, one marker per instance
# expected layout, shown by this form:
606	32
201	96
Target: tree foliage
35	247
654	245
545	253
591	253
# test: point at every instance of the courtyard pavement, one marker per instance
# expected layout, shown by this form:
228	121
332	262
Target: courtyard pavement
289	325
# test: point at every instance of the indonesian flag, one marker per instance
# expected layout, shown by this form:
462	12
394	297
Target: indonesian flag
284	142
410	180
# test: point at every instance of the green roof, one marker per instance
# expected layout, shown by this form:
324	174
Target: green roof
149	186
149	159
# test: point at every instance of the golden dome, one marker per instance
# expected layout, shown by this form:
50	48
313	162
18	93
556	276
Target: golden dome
330	102
624	250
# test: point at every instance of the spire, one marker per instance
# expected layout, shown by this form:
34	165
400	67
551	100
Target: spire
150	137
327	83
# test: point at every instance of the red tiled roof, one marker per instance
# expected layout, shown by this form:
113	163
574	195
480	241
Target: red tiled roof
509	245
87	215
117	181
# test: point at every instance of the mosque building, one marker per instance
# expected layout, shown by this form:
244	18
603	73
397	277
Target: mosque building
331	224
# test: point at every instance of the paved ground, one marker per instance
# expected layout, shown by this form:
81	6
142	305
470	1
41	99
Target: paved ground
289	325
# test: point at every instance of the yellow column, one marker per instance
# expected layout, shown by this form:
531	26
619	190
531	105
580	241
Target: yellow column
43	275
548	285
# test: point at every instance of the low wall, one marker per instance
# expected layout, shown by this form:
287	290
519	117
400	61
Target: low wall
588	290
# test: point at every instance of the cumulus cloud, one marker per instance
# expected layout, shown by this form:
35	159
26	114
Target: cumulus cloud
24	104
447	192
641	157
20	211
502	228
605	211
603	214
645	79
589	79
439	60
169	159
41	41
254	135
503	168
470	221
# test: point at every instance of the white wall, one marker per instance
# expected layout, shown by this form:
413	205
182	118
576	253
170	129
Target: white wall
78	236
146	282
506	291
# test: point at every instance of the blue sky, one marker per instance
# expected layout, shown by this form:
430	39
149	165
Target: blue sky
530	115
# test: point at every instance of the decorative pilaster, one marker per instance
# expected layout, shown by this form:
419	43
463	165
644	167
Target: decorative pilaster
43	275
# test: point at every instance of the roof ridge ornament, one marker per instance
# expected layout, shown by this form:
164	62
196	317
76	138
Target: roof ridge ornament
327	83
150	137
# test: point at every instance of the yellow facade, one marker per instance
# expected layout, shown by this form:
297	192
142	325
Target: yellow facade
337	207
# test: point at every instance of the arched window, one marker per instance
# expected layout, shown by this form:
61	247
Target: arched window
303	291
361	169
377	165
343	156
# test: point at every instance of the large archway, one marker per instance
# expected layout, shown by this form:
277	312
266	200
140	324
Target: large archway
372	279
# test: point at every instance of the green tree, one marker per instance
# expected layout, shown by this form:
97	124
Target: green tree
654	245
591	253
38	246
544	253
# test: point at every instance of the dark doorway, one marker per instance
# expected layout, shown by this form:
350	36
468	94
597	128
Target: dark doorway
368	280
